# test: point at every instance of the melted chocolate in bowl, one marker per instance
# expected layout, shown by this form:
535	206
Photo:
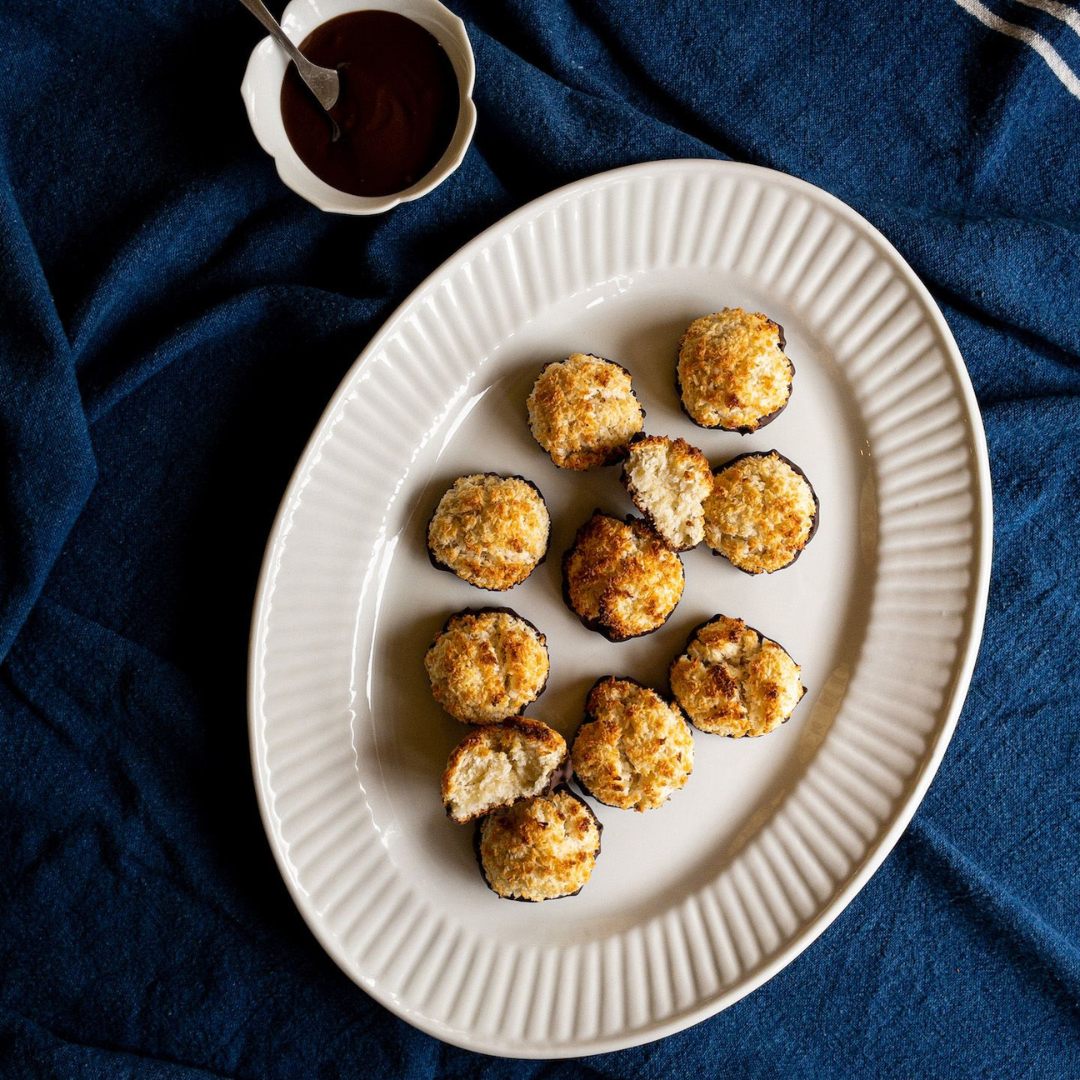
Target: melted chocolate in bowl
397	109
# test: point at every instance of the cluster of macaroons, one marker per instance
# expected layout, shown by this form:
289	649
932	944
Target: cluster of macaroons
485	667
535	839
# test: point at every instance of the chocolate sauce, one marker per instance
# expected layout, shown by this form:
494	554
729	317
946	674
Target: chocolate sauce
397	109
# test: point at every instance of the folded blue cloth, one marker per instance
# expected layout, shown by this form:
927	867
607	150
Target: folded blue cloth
172	321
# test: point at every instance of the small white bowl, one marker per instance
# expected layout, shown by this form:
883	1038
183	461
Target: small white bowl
261	90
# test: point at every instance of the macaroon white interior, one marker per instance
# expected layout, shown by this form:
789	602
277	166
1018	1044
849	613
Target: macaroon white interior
487	779
672	496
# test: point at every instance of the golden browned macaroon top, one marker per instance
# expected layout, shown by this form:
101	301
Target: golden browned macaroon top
621	578
669	480
635	749
498	764
539	848
732	681
486	666
761	513
732	370
490	530
583	411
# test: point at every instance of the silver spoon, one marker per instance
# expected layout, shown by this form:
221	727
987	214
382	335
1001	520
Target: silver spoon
322	82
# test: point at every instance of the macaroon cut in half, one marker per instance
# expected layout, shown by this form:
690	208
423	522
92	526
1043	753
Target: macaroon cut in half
540	848
500	763
732	681
583	411
669	481
487	665
620	578
490	530
761	513
732	372
634	748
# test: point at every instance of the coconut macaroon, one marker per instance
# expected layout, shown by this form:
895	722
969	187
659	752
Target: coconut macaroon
761	513
539	848
583	411
669	481
732	372
492	531
488	665
620	578
732	681
634	748
498	764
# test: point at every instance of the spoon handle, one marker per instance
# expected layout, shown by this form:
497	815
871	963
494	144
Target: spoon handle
270	24
322	81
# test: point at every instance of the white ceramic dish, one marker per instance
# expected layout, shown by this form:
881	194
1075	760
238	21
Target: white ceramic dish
261	90
693	905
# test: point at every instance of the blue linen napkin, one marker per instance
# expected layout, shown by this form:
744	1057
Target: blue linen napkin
172	321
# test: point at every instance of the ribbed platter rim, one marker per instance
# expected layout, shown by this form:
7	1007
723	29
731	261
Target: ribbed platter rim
962	667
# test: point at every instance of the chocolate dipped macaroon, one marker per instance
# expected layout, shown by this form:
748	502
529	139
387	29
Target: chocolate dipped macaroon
731	680
498	764
538	849
492	531
669	481
634	749
620	578
583	411
761	513
487	665
732	372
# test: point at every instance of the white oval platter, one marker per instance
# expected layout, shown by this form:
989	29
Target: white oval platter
693	905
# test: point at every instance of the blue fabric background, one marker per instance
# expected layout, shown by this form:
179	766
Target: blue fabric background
172	321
